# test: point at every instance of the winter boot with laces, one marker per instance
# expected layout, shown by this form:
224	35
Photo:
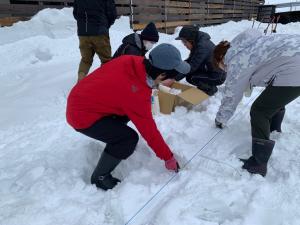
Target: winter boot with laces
101	176
261	153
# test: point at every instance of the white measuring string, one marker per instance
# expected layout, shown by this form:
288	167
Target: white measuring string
184	165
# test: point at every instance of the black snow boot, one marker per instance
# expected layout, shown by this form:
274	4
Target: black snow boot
277	120
261	153
208	89
101	176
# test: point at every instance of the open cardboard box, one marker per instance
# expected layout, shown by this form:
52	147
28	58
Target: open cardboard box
188	97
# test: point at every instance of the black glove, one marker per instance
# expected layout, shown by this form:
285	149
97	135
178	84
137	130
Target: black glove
219	124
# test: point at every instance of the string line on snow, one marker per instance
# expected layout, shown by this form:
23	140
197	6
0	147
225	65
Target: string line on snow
203	147
172	177
219	162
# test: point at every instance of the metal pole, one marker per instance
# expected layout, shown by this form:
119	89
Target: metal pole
131	14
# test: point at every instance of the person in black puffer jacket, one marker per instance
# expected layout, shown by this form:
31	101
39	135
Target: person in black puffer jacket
94	18
203	73
138	44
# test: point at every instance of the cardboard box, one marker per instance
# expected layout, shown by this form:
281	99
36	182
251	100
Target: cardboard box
189	96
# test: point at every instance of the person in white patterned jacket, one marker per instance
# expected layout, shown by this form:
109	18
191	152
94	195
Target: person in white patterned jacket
253	59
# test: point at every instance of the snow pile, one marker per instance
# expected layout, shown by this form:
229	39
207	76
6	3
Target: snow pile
52	23
291	7
45	165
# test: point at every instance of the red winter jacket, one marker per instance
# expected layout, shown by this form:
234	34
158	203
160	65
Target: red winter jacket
117	88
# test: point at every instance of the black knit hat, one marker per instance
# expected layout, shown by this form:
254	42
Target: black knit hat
150	33
189	33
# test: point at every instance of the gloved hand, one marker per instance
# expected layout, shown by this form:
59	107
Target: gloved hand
172	164
219	124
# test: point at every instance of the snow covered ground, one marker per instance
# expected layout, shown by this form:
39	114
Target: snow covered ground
45	165
274	2
291	7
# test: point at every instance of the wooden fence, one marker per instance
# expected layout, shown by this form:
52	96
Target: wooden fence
170	14
167	14
265	12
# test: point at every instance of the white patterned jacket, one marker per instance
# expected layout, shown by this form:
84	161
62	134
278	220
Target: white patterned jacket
258	60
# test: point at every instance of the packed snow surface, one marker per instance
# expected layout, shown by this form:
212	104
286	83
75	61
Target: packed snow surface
45	165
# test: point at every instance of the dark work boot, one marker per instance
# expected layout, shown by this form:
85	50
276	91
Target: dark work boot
261	152
101	176
245	160
277	120
208	89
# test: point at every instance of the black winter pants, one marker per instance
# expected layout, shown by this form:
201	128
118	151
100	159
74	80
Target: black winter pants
270	101
120	139
212	78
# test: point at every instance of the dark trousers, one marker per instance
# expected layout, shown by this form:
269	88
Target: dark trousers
213	78
120	139
269	102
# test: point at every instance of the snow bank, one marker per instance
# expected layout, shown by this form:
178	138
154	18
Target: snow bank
45	165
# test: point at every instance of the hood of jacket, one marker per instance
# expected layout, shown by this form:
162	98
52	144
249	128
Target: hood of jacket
203	41
241	42
203	36
133	39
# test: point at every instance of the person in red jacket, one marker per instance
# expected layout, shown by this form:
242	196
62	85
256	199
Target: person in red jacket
101	104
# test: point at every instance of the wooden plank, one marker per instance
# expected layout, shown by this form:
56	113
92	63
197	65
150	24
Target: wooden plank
122	2
214	16
215	2
233	11
211	22
121	10
50	1
5	8
23	9
215	6
146	3
156	18
184	10
147	10
168	4
142	18
163	24
215	11
187	4
9	21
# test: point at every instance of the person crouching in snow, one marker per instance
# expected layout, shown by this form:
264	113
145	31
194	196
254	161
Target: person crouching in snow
254	59
203	74
102	103
138	44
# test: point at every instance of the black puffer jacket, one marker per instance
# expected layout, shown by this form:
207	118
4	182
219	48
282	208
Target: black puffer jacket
132	45
94	17
200	58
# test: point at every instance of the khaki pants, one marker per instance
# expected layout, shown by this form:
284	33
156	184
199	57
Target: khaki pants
89	45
